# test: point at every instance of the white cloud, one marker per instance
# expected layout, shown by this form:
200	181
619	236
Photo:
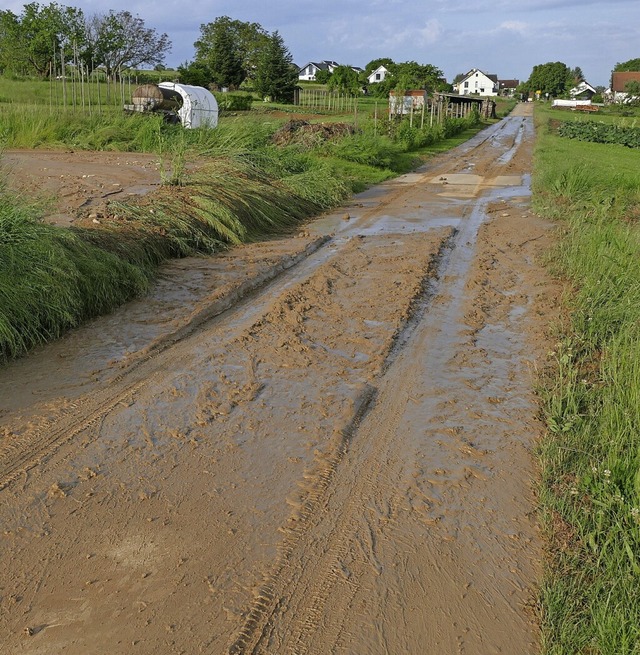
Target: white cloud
431	32
513	26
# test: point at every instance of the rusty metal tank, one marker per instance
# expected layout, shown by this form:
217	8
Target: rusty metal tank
151	97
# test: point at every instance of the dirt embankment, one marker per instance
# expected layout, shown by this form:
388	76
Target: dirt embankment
336	459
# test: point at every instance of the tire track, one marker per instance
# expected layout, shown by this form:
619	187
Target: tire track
309	581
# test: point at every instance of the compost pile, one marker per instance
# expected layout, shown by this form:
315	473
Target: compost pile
308	134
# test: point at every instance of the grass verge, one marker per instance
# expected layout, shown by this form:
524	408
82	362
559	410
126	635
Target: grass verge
590	459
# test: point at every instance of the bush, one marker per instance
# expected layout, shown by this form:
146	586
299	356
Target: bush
234	101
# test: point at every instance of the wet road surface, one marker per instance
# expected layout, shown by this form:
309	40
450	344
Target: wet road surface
314	445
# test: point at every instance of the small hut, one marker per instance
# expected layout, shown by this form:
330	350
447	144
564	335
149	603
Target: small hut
410	100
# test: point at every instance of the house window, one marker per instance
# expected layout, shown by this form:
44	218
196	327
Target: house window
466	85
481	90
378	76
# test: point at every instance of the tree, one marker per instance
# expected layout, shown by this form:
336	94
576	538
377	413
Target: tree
553	78
41	36
323	76
420	76
224	61
120	40
344	80
11	53
632	89
194	73
246	41
276	76
576	75
627	66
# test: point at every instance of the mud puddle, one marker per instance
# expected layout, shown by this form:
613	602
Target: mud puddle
338	462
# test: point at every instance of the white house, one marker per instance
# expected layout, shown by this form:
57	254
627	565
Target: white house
308	71
582	90
618	90
378	75
475	82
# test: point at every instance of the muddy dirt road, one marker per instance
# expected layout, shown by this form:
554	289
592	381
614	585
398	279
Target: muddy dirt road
315	445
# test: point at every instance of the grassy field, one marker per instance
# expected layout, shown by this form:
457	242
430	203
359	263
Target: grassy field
590	460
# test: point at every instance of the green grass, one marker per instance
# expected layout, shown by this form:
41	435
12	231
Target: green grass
590	460
52	280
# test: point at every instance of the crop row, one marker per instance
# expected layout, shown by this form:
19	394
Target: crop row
597	132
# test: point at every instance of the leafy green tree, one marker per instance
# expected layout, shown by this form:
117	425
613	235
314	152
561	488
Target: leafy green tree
632	89
553	78
323	76
576	75
120	40
420	76
627	66
344	80
246	41
387	62
410	75
382	89
41	36
224	61
11	54
276	76
194	73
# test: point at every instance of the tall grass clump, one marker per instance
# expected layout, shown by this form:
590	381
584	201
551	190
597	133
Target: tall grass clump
52	279
590	459
231	200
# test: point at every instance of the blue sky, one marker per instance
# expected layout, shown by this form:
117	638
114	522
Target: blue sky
505	37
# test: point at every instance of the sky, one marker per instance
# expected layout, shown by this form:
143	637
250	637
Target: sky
503	37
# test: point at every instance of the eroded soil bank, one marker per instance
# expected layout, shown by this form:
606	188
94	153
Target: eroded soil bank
315	445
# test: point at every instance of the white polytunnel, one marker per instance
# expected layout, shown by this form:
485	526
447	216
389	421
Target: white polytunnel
199	106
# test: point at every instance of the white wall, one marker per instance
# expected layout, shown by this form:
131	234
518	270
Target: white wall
477	83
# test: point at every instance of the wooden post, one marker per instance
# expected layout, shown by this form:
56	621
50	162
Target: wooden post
424	102
64	81
375	120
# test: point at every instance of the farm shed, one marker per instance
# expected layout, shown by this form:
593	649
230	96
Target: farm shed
411	100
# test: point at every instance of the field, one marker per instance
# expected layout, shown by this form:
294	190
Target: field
590	460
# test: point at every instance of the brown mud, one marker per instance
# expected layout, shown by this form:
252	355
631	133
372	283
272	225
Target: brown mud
75	185
313	445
